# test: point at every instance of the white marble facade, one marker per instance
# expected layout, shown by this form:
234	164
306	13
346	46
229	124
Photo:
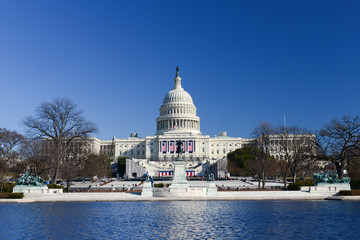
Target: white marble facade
177	121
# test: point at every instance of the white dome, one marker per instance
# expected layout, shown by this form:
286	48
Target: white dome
177	96
178	112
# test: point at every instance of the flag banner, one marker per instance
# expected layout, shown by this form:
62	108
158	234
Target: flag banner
190	146
164	146
166	173
172	146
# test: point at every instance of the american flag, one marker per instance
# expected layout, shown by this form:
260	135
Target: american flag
164	146
172	148
191	146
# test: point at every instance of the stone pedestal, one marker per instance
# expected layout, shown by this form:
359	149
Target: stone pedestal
31	190
147	190
326	188
179	182
211	189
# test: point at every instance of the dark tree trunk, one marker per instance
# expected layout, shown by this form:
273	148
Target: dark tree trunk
2	180
68	183
285	182
293	174
339	169
263	180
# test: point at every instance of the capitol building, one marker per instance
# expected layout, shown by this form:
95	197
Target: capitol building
177	121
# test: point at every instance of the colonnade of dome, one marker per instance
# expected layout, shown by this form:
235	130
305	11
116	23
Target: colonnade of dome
176	124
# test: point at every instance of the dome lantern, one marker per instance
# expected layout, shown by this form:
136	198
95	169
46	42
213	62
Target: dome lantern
177	79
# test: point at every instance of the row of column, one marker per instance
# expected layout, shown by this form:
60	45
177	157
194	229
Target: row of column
178	111
178	124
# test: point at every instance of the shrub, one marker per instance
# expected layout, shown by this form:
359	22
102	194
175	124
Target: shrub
54	186
296	185
4	195
8	187
355	192
15	195
345	193
158	185
355	183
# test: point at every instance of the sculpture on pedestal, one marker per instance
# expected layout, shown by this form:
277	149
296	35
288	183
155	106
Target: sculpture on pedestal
179	148
28	180
30	185
329	178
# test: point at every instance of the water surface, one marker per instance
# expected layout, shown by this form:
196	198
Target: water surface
181	220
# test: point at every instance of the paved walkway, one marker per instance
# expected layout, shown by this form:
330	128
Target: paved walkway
194	183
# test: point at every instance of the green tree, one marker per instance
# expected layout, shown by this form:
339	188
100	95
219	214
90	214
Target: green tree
249	161
97	165
121	168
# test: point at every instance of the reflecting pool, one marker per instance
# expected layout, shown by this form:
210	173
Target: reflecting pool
181	220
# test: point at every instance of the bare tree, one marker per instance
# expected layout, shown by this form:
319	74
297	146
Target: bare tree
297	148
36	154
75	158
262	134
9	140
59	123
338	141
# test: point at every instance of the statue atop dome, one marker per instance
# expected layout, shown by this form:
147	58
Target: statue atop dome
177	79
177	71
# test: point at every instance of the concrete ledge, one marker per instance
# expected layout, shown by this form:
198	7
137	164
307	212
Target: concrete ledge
344	198
222	196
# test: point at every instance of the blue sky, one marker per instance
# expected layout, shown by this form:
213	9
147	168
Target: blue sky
243	62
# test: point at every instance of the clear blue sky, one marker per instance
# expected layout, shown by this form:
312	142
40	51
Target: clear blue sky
243	62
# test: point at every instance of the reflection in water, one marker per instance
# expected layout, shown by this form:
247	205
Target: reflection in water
181	220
